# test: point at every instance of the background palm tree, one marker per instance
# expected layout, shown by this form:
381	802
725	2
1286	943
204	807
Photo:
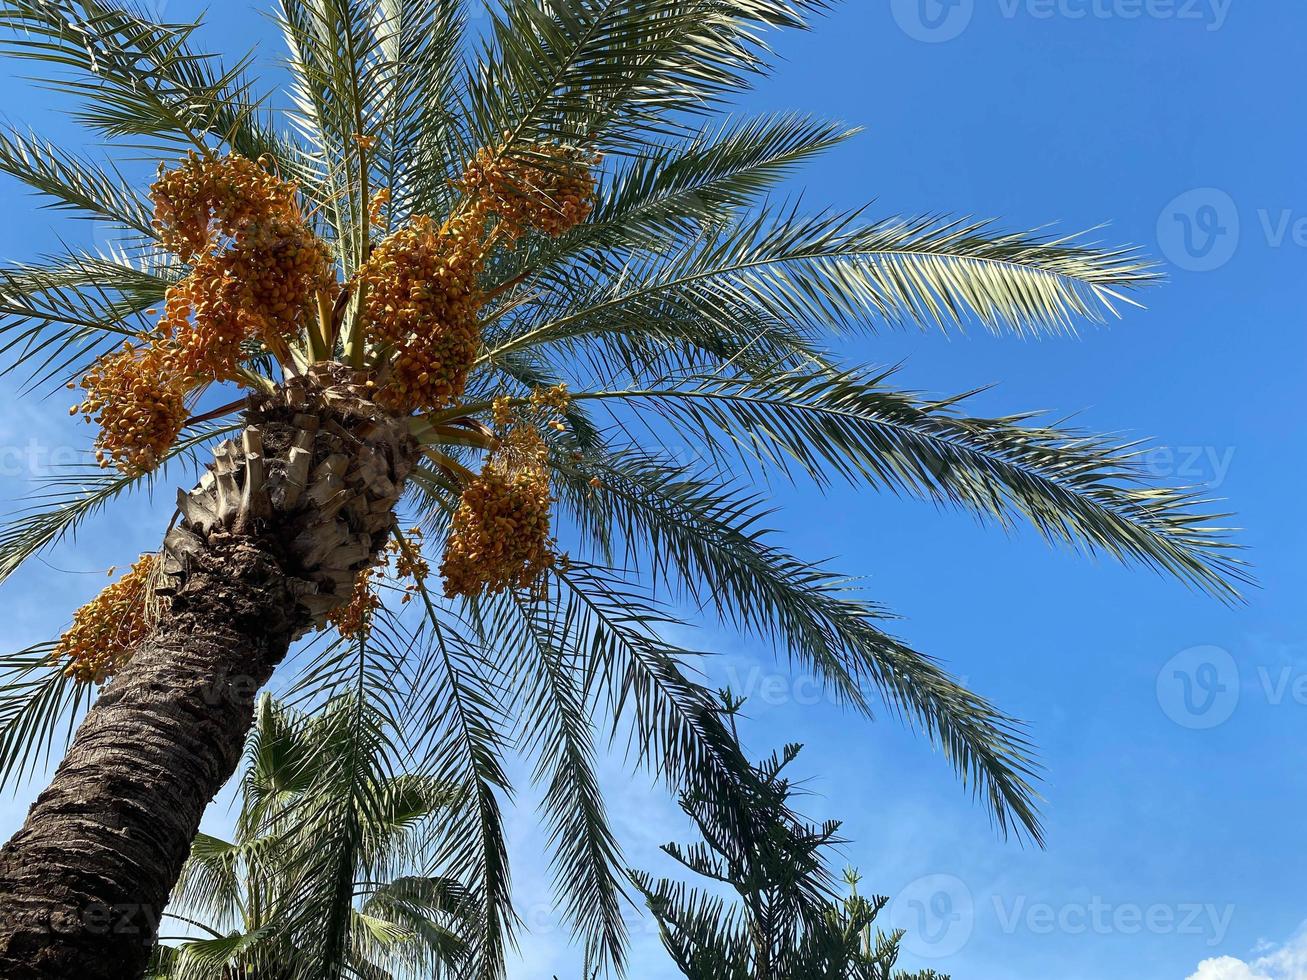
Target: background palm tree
688	309
324	876
789	922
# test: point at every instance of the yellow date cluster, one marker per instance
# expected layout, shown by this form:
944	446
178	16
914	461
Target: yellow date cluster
256	270
257	267
548	188
499	536
422	300
108	629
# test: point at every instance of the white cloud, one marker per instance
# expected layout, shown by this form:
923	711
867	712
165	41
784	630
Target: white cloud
1226	968
1287	962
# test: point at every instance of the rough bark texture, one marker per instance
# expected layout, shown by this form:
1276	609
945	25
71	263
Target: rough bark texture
269	542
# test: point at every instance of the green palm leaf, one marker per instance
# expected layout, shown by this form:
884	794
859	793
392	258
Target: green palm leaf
73	183
134	78
39	706
705	539
1072	487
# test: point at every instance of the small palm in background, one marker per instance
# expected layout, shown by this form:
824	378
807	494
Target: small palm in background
485	313
324	876
788	922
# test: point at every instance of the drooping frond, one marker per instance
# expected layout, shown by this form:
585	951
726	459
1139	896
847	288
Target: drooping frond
58	317
705	539
670	722
61	507
558	732
39	705
461	708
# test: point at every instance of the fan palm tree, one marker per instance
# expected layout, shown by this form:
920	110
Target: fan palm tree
378	291
316	881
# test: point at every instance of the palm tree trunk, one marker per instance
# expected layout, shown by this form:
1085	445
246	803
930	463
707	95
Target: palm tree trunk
269	542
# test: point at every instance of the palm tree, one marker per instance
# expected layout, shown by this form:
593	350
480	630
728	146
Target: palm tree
317	882
379	293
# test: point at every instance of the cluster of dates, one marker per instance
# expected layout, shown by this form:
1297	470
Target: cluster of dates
106	631
256	268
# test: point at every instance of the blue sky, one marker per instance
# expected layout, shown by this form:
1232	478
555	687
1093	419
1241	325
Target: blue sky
1170	726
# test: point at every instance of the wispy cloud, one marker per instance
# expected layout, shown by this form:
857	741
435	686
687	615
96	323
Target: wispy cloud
1286	962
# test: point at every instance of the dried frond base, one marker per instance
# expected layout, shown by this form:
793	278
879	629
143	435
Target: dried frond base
316	477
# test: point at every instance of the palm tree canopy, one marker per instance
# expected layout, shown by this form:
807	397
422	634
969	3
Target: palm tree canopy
325	875
689	306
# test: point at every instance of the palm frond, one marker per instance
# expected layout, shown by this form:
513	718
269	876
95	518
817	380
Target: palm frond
415	904
39	706
461	716
420	142
558	733
210	887
207	959
73	183
680	188
614	73
135	78
334	60
705	539
68	500
638	680
57	317
659	341
1072	487
830	270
